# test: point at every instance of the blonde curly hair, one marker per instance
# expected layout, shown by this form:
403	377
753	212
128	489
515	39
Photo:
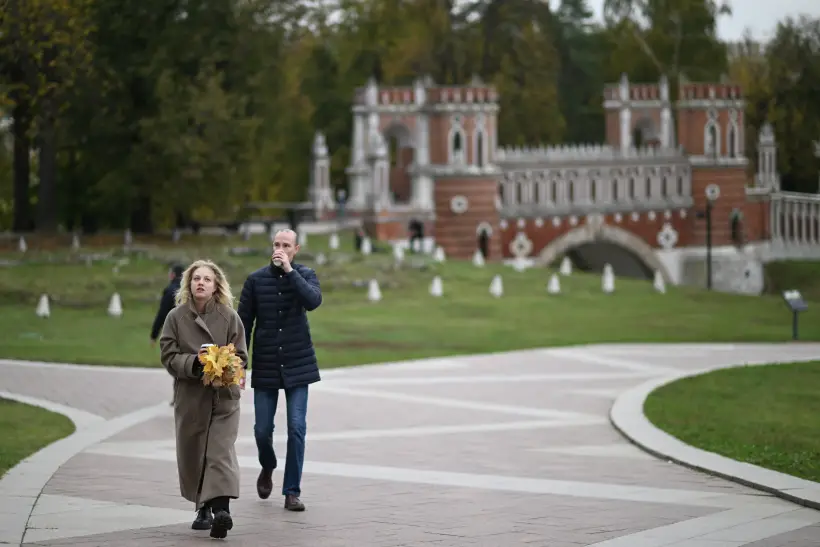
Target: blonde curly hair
222	289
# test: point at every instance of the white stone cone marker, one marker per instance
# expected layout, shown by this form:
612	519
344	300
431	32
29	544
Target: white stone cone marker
436	288
554	285
478	258
374	294
497	287
43	308
566	266
608	280
115	306
439	255
658	283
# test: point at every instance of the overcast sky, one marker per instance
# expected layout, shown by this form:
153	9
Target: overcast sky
760	16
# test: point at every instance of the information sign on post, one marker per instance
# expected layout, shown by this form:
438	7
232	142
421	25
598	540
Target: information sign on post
796	303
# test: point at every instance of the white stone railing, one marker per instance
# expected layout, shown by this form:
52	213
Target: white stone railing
580	153
598	187
795	219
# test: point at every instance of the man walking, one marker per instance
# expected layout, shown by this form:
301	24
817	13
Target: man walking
277	298
166	303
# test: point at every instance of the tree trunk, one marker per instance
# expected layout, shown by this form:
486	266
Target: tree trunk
47	220
22	167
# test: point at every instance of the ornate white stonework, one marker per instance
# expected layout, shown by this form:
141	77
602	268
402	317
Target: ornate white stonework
556	221
618	218
459	204
573	220
635	217
539	222
503	224
521	245
683	213
485	227
651	215
521	223
667	214
667	236
595	221
577	181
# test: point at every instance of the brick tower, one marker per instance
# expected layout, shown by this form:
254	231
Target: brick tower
427	152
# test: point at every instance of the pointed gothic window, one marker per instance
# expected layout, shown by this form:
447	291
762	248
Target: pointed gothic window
458	147
479	149
711	144
732	142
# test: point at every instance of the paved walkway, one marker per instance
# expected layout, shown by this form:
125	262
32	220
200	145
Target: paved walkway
475	451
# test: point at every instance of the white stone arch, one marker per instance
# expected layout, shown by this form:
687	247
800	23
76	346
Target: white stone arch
484	227
591	233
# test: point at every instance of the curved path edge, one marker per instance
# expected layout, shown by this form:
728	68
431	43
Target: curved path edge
628	418
21	486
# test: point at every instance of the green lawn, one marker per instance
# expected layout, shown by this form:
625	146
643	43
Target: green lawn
763	415
348	330
26	429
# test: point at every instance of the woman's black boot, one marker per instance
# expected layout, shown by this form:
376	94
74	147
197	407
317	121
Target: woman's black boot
204	519
222	522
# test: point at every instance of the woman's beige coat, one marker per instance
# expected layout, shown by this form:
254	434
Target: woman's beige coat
207	418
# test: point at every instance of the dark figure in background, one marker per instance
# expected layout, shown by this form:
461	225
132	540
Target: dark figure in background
358	239
293	219
484	243
416	229
166	303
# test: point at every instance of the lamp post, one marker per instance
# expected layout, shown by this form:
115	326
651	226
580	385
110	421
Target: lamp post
712	194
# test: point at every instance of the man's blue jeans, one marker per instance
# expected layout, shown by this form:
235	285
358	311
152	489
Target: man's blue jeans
264	403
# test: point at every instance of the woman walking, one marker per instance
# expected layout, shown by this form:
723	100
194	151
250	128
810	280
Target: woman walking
206	417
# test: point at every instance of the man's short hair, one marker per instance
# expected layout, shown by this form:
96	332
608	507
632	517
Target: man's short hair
287	231
177	270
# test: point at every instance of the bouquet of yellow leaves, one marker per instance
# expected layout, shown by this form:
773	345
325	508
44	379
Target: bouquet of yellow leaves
221	366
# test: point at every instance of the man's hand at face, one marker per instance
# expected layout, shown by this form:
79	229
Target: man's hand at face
280	255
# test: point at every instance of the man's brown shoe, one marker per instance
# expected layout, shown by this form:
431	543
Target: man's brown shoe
293	503
264	484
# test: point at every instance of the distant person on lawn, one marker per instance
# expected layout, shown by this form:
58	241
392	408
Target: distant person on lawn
206	418
277	298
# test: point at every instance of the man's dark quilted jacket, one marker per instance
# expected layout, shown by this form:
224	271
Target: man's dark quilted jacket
278	302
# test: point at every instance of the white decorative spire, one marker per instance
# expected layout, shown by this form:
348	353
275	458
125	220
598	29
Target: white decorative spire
320	190
625	114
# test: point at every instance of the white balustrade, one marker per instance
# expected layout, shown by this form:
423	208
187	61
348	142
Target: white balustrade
547	185
795	219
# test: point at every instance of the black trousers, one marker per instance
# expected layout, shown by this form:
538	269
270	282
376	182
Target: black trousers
219	503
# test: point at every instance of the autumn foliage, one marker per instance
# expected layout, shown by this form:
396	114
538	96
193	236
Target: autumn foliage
221	366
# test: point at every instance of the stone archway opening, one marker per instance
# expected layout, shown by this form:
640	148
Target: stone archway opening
483	234
594	244
401	151
591	257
